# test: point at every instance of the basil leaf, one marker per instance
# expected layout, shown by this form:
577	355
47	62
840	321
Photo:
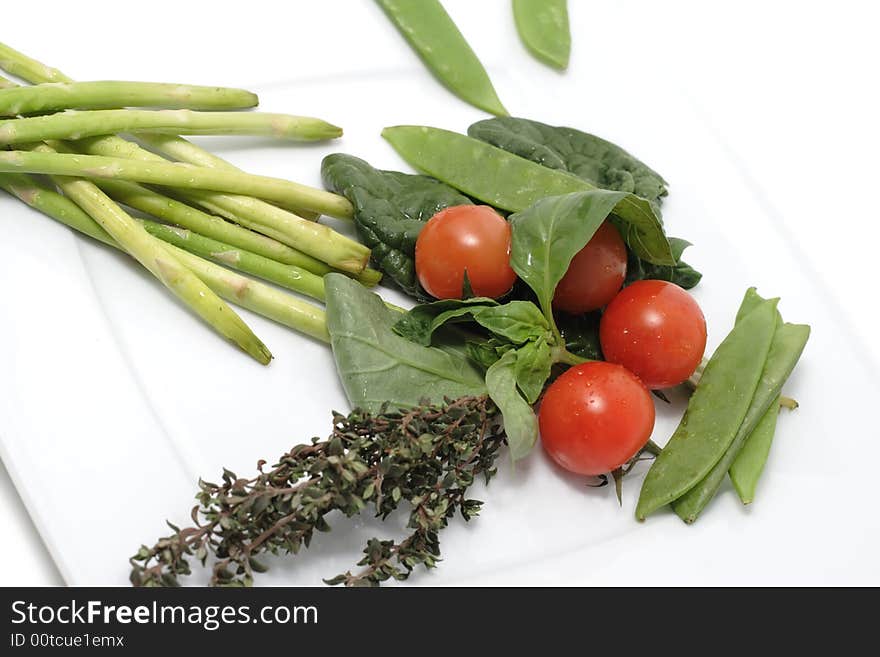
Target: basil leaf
517	321
377	366
419	323
587	156
581	334
390	209
682	274
533	363
548	234
485	352
520	422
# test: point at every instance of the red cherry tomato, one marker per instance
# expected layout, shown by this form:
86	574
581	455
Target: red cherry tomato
656	330
595	274
465	237
595	417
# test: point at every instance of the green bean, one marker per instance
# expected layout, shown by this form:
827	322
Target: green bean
513	183
436	39
785	349
543	28
715	411
749	463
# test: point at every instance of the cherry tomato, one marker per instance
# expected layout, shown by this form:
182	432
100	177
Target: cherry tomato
595	274
656	330
595	417
465	237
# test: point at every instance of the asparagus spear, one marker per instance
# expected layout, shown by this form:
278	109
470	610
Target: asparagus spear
88	123
51	97
158	260
185	176
293	278
178	148
255	296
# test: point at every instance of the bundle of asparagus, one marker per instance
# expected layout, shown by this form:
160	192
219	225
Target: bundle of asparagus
209	209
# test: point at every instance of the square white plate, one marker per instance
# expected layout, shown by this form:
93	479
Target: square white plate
114	400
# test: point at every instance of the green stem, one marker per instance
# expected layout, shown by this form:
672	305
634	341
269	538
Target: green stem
185	176
51	97
293	278
255	296
158	261
89	123
563	355
178	148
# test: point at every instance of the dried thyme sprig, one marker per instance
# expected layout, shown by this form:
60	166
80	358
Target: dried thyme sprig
428	457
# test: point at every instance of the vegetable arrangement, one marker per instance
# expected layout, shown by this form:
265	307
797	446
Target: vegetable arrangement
551	301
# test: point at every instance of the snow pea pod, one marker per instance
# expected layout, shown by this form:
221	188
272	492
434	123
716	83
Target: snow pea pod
785	350
715	411
749	463
510	182
543	28
436	39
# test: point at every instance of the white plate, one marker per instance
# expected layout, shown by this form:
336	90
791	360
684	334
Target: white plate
114	400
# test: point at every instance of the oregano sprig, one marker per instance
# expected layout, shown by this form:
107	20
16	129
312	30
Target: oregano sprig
427	457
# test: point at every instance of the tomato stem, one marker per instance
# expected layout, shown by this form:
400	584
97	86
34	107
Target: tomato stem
563	355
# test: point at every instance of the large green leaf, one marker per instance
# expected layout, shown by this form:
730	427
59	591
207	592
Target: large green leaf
376	365
549	234
390	209
587	156
520	422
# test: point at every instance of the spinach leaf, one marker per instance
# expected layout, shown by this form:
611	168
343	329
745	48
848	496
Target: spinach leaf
589	157
520	422
581	334
547	235
682	274
390	209
376	365
532	369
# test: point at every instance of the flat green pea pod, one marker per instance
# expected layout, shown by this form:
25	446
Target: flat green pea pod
749	463
510	182
785	350
436	39
715	411
543	28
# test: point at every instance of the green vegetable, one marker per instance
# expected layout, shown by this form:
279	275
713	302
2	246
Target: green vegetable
435	38
590	158
89	123
112	94
520	421
513	183
581	334
715	411
258	297
515	321
181	214
289	276
390	209
420	322
748	465
543	28
159	262
377	366
533	363
176	175
681	273
547	235
788	343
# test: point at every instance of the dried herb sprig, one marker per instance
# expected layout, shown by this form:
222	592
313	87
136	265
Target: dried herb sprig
428	457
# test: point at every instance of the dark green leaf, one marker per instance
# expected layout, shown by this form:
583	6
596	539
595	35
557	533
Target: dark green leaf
376	365
419	323
547	236
520	422
486	352
589	157
682	274
390	209
581	334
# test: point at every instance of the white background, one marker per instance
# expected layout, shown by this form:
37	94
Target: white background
789	87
